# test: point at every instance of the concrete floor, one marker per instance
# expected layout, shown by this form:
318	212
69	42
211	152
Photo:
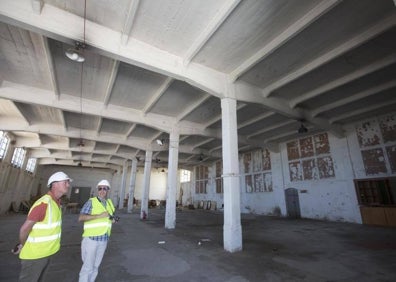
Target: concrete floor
274	249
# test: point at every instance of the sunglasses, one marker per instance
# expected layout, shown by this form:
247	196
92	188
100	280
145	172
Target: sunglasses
103	188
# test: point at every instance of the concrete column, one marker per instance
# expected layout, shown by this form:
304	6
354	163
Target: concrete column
170	213
232	229
132	182
123	182
146	185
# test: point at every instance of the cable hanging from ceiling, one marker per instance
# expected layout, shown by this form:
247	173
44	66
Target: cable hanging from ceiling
81	143
76	53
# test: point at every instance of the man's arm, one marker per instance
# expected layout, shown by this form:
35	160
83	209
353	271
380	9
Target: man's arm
86	217
25	230
23	235
85	213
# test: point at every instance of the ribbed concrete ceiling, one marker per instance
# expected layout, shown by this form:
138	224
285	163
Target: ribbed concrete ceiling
155	66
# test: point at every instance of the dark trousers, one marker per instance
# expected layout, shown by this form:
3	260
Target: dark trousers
33	269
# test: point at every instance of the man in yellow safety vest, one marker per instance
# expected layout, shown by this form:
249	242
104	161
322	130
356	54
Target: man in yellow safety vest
40	234
98	216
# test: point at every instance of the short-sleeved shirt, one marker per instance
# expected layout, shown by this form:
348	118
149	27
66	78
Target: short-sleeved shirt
87	209
38	212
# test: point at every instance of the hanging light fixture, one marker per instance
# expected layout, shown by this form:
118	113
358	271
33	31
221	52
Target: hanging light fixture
302	128
76	53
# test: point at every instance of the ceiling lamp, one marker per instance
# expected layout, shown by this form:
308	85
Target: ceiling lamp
75	54
302	129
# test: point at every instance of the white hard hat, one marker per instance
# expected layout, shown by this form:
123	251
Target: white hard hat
58	176
103	182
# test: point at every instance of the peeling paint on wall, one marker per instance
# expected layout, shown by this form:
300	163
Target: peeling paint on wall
266	159
388	128
257	161
295	171
258	183
322	145
315	161
246	162
391	152
368	134
326	168
292	151
310	170
258	175
373	135
248	183
374	161
306	147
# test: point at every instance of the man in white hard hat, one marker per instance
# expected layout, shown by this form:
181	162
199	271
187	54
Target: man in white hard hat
98	217
40	234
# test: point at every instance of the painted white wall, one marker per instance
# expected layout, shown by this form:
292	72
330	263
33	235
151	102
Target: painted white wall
331	199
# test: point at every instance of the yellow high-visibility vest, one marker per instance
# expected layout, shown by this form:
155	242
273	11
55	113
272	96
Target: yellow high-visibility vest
44	239
100	226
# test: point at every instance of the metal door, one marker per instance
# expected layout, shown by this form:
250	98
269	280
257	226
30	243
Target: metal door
292	203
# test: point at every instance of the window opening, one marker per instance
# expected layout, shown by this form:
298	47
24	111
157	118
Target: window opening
4	141
201	179
18	157
31	165
185	176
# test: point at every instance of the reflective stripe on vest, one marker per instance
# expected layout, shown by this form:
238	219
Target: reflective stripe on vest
44	238
100	226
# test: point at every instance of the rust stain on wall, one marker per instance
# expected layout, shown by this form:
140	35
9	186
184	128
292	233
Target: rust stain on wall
368	134
374	161
292	151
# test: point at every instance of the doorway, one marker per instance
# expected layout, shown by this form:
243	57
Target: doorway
292	203
80	195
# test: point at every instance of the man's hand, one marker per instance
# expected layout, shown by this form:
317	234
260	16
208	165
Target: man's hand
17	249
